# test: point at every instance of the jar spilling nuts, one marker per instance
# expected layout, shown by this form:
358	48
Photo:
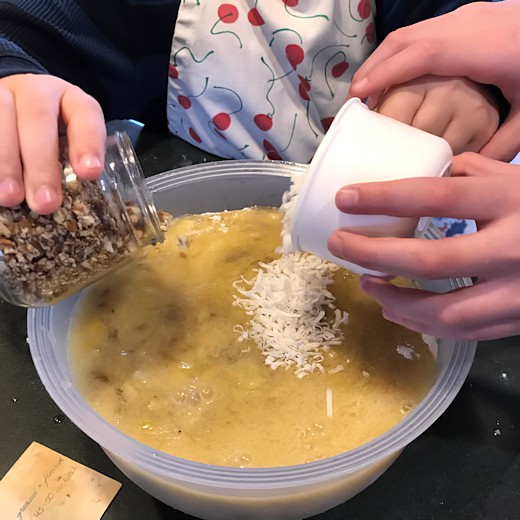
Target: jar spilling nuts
99	227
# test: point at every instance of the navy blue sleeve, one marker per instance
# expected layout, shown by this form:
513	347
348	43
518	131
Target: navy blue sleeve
393	14
116	50
14	60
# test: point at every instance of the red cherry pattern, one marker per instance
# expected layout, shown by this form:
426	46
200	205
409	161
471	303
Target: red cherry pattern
227	13
271	151
172	71
304	94
263	121
194	135
364	9
303	88
370	33
255	18
268	147
339	69
222	121
304	83
294	54
184	101
326	122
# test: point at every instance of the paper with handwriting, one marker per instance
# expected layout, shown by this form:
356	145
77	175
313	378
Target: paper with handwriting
45	485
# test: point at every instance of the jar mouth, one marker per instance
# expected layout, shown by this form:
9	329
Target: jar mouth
136	177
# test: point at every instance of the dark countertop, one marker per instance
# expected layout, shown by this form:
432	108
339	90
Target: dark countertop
466	466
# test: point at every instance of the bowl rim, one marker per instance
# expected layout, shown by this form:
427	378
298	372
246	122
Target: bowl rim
61	389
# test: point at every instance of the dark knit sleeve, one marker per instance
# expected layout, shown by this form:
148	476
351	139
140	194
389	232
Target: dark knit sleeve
115	50
14	60
393	14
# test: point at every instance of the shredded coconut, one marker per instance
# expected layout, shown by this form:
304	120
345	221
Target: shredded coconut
329	402
287	301
294	318
335	370
406	351
288	207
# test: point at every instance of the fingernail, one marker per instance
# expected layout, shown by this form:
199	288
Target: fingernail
335	245
347	198
89	162
10	186
371	103
46	195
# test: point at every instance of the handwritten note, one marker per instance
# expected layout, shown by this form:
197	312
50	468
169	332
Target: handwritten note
46	485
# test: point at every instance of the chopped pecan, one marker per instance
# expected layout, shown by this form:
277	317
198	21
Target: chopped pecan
44	257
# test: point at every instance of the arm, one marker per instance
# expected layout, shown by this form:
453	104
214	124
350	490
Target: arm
115	50
31	105
58	62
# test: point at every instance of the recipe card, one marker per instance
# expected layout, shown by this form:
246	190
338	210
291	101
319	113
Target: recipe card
46	485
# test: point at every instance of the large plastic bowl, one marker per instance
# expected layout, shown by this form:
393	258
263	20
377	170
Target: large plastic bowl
226	493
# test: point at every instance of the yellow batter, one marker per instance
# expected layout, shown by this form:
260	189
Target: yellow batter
153	350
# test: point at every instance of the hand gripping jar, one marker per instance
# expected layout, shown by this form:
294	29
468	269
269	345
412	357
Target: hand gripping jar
100	227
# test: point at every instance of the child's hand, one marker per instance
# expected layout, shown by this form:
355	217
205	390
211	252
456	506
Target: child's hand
32	107
483	189
478	41
459	110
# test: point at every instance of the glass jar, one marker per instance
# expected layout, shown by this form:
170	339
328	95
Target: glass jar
100	226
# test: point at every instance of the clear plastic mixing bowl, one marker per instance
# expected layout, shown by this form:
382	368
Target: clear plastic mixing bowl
227	493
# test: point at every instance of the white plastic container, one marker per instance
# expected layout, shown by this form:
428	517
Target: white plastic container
226	493
362	146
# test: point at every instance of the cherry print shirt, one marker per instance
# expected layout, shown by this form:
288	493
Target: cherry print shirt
119	53
263	80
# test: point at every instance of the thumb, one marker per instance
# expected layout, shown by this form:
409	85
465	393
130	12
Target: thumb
505	143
